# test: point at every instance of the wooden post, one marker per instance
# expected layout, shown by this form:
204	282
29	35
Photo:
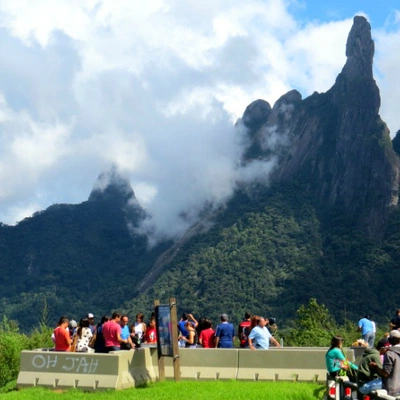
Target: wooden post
161	364
175	346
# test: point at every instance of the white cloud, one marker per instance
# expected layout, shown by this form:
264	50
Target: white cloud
154	88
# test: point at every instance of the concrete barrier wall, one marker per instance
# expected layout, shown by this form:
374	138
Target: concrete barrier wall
117	370
125	369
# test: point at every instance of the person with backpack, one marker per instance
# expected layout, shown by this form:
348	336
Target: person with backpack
244	330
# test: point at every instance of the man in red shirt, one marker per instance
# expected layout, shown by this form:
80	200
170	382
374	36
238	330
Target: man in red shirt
112	333
62	338
207	335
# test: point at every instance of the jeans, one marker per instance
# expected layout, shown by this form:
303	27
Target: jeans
369	337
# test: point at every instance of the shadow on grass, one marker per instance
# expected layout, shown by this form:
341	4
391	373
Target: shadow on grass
320	392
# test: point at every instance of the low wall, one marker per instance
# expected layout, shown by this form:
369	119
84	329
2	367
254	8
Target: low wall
116	370
124	369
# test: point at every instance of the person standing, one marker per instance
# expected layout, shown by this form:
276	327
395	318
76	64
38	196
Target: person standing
395	322
150	335
367	330
99	345
184	333
62	339
92	326
207	335
112	333
260	337
126	334
224	334
244	330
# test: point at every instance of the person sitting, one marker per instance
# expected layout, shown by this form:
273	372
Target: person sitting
336	362
390	371
365	373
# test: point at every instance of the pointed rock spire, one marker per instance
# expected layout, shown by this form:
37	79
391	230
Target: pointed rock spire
359	49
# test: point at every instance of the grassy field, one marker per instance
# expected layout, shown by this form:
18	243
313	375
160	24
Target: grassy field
195	390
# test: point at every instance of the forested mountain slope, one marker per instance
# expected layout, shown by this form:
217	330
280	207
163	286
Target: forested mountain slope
324	224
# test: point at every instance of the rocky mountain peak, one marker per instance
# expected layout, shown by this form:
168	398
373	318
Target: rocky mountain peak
112	186
335	143
359	49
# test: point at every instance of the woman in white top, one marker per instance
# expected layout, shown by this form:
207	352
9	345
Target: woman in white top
83	336
138	330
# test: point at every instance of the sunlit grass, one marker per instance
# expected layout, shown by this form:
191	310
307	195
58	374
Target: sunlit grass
207	390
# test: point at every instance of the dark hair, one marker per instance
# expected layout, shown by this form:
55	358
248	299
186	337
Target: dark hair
335	342
184	316
63	319
394	340
83	323
115	315
104	318
247	315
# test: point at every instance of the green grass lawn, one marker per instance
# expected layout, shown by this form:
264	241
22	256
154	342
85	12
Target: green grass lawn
194	390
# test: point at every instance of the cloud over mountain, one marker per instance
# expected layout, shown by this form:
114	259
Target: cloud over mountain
154	89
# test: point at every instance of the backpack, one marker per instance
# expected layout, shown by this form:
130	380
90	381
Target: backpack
244	332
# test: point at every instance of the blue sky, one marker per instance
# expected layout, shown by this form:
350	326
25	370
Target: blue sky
379	12
154	88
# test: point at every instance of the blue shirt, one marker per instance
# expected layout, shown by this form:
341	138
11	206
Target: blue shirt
225	332
365	325
261	337
125	332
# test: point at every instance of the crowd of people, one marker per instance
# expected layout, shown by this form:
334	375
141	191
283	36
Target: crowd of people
379	366
115	333
111	333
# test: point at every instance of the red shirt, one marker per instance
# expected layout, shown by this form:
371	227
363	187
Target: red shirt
151	335
62	339
110	334
207	337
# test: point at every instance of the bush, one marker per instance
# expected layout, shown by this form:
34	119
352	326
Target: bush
11	344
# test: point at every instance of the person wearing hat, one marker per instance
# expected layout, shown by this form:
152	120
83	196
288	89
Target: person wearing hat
72	327
224	334
390	371
92	326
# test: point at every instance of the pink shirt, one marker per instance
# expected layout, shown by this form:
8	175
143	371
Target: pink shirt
110	334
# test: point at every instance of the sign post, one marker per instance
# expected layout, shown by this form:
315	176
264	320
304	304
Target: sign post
167	336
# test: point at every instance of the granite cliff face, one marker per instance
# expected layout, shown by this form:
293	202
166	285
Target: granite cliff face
335	142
